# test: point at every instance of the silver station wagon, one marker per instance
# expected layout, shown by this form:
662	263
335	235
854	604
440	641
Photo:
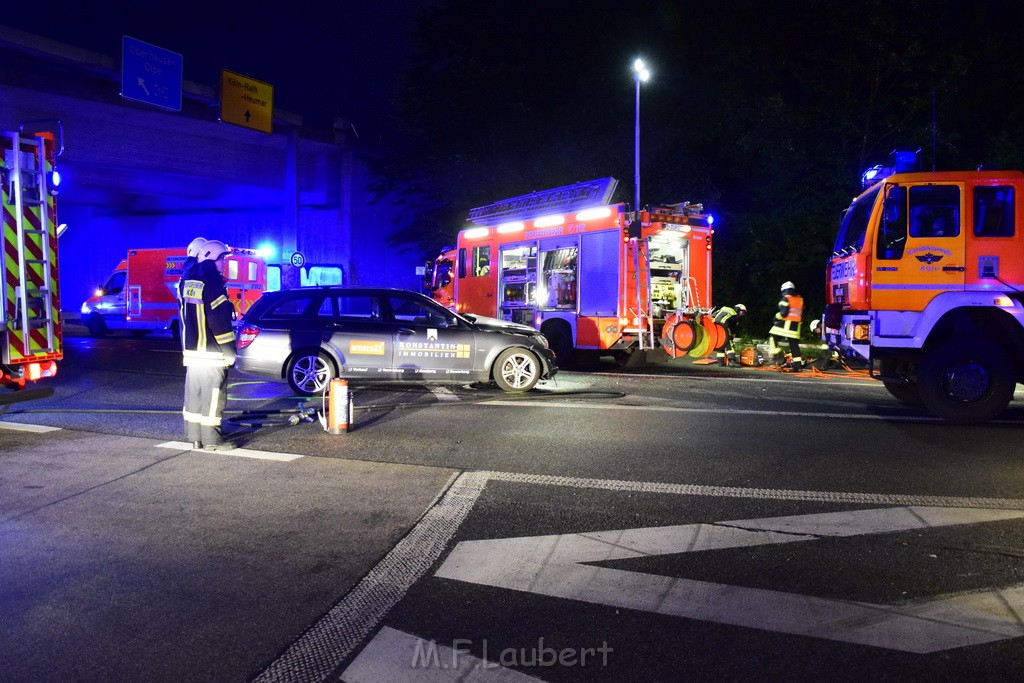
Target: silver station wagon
311	335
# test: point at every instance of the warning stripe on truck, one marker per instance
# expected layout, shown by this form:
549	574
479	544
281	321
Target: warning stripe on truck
34	346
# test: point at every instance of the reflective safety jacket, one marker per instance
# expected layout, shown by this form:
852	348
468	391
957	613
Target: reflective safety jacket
727	317
788	319
207	337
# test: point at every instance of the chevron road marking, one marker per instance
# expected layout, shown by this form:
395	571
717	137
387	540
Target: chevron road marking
556	565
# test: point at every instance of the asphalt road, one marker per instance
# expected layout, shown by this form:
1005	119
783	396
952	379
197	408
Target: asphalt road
673	522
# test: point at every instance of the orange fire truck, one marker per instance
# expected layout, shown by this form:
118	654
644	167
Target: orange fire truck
141	294
30	324
927	284
588	274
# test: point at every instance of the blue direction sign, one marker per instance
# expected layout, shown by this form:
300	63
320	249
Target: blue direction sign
150	74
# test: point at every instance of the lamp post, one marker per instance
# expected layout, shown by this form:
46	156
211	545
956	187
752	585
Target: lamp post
640	73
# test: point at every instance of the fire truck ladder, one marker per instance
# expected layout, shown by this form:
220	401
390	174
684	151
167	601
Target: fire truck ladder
644	310
28	187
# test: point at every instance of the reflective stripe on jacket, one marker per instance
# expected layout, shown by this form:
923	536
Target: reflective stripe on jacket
788	319
207	337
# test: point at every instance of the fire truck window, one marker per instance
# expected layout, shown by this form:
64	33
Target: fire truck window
935	211
462	263
557	284
481	261
232	270
115	285
993	211
253	270
892	234
854	224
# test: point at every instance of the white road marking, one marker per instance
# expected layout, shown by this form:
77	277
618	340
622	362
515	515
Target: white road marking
239	452
553	565
717	410
19	427
395	655
328	642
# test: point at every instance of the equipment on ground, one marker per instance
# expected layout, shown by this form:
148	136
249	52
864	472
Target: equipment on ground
30	323
926	283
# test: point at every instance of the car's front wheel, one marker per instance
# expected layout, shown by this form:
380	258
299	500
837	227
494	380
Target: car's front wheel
309	372
517	370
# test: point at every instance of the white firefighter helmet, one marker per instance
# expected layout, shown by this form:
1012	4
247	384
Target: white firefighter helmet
213	250
740	308
815	325
194	246
788	285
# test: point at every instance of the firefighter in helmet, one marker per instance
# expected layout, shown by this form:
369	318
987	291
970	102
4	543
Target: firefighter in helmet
208	347
729	318
788	321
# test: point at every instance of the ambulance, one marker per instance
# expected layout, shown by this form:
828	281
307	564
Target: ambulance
140	296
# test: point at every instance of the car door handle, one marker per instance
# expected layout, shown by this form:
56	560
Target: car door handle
955	269
406	331
488	295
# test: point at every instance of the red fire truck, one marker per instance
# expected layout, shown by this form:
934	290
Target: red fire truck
587	273
141	293
925	283
30	324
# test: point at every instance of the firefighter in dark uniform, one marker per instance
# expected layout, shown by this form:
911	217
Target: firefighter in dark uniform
208	347
729	318
788	322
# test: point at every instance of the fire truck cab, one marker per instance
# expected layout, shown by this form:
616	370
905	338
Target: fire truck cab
927	282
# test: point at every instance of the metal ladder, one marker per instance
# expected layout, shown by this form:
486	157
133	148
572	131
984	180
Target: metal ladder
27	177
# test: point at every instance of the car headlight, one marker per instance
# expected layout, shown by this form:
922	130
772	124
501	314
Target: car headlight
540	339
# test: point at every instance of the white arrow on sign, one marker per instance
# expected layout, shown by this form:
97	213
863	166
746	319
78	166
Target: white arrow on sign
555	565
142	84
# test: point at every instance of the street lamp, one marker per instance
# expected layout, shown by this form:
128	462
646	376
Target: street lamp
640	73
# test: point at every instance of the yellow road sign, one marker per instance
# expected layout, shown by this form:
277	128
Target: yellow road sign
246	102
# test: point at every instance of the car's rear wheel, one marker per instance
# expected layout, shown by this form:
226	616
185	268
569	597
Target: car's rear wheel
309	372
516	370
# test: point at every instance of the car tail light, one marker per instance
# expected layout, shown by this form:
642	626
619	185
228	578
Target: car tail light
247	335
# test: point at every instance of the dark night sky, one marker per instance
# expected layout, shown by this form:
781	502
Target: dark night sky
324	58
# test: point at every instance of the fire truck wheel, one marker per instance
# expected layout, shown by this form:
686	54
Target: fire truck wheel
966	384
516	370
96	326
309	372
562	347
903	392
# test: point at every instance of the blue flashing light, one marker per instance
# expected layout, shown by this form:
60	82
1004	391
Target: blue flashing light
711	220
267	251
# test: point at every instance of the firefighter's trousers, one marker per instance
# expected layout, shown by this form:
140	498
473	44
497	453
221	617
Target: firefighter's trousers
794	347
206	393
